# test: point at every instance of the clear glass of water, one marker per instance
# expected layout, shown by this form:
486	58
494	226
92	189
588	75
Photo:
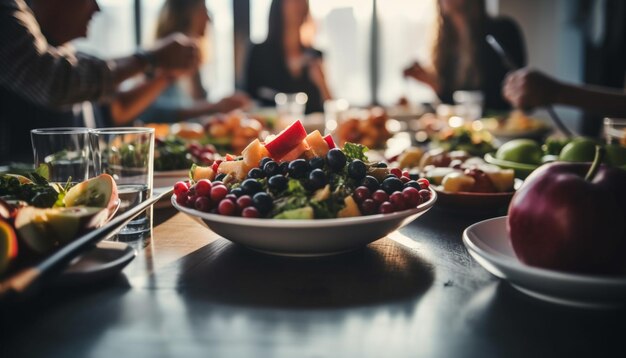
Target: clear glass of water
127	154
615	130
62	154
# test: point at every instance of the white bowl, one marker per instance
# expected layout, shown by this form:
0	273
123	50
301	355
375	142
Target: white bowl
488	243
306	238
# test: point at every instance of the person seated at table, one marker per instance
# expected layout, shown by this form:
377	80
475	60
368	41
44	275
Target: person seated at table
187	97
527	89
461	57
285	62
41	79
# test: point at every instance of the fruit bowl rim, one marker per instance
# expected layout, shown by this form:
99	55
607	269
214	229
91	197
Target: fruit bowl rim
307	223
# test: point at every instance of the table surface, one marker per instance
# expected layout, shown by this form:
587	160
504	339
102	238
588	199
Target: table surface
414	293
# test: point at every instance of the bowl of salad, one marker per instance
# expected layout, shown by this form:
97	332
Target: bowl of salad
299	195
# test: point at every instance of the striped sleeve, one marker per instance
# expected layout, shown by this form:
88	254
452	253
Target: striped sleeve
41	73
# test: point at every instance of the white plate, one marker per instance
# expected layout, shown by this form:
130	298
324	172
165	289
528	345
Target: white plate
306	238
105	260
488	243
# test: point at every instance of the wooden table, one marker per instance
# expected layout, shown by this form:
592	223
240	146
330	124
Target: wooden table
190	293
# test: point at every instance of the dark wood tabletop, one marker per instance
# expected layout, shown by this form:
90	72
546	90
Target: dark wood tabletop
190	293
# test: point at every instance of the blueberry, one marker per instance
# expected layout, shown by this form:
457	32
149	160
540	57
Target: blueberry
379	165
262	202
283	168
317	179
237	191
391	185
255	173
336	159
413	184
298	168
371	183
357	169
251	186
317	163
389	176
263	161
271	168
220	177
277	183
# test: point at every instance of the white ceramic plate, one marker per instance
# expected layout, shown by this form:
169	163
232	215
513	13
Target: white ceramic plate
306	238
488	242
105	260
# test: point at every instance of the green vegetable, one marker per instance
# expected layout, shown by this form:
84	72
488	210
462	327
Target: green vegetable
355	151
39	193
171	154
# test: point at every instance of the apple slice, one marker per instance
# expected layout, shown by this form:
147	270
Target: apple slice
286	140
100	192
330	141
8	245
46	229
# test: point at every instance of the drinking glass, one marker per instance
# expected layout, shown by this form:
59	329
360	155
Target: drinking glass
62	153
127	154
615	130
290	107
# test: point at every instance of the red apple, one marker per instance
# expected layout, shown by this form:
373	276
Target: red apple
286	140
100	192
571	217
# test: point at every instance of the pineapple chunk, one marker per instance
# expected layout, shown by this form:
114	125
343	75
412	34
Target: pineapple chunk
202	173
502	179
351	209
235	168
253	153
321	194
456	182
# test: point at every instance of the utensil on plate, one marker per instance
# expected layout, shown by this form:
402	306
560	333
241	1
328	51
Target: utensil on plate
511	65
29	279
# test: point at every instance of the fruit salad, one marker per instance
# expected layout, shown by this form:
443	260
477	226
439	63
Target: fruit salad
296	175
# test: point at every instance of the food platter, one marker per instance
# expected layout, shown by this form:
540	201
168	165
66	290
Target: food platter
488	243
306	238
475	202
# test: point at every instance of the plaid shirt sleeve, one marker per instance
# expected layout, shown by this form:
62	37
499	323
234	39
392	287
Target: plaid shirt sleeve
43	74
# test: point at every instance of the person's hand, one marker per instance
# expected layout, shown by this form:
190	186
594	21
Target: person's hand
236	101
417	72
527	88
176	53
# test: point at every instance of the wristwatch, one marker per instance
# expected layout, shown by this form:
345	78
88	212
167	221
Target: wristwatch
149	60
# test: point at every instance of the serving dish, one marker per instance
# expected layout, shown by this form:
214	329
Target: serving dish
472	201
521	170
488	243
306	238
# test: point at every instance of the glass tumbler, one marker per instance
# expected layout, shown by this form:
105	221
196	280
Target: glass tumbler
62	154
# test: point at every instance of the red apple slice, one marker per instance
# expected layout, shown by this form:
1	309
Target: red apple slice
8	245
330	141
100	192
286	140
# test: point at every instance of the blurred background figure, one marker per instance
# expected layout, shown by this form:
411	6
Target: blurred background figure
286	62
527	89
45	83
461	57
187	97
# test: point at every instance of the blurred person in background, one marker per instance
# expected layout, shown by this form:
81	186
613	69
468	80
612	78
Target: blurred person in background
527	89
44	83
286	62
461	57
186	97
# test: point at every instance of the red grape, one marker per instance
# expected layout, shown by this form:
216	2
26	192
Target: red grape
181	188
425	194
423	182
411	197
182	199
395	171
218	192
205	158
380	196
226	207
368	207
397	199
231	197
250	212
386	208
406	174
191	200
244	201
203	203
405	180
203	187
361	193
